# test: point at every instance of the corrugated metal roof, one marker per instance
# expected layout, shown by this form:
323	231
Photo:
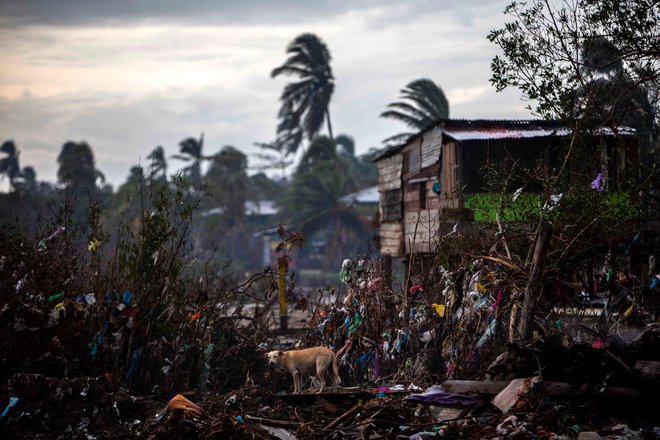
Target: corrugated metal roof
492	129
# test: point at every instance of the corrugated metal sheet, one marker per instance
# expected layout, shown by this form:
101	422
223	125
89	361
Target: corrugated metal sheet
431	144
493	130
503	133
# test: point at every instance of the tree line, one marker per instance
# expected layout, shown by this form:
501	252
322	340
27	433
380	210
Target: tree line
308	196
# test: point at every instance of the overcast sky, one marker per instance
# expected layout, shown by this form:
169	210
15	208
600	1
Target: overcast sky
128	75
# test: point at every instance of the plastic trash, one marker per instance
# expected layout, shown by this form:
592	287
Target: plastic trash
135	363
597	184
655	282
490	331
439	396
55	297
439	309
12	403
179	402
516	194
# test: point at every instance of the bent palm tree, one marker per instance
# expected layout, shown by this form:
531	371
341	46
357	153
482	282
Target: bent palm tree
305	104
9	165
422	103
77	166
191	151
158	164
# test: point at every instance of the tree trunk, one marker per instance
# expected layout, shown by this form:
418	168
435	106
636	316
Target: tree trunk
327	116
534	288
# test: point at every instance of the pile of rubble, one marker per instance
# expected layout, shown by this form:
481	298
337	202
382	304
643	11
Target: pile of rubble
551	406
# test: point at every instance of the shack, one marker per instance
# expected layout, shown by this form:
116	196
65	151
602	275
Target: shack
437	177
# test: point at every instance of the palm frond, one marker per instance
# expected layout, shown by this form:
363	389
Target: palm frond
8	147
409	120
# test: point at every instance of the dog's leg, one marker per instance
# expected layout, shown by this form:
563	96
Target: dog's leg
321	369
336	380
296	381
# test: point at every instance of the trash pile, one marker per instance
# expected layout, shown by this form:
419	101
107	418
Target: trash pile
454	324
439	357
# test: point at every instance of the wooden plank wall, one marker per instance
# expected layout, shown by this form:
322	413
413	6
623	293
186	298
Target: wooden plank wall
449	170
389	178
421	229
391	239
389	173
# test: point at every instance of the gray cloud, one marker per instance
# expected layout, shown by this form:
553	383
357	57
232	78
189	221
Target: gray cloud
123	131
76	12
15	13
129	89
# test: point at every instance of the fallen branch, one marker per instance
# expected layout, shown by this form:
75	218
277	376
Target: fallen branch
343	417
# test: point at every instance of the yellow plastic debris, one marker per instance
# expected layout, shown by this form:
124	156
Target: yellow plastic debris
439	309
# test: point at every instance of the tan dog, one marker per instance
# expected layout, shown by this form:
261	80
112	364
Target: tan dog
302	361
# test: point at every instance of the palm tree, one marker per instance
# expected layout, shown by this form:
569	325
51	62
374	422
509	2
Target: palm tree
347	144
228	182
321	150
77	165
305	104
191	151
273	157
9	165
158	164
29	180
314	205
422	103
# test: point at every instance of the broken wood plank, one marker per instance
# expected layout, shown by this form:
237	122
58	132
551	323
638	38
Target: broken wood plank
551	388
342	418
509	396
474	386
325	405
565	389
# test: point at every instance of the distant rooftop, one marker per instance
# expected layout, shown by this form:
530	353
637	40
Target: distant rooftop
263	207
366	195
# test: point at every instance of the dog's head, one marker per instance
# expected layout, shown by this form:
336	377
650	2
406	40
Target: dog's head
275	357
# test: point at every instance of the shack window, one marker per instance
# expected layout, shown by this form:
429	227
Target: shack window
392	206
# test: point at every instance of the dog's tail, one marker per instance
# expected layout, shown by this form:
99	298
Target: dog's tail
335	370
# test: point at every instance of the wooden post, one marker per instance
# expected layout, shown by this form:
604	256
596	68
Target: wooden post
387	271
282	266
534	287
